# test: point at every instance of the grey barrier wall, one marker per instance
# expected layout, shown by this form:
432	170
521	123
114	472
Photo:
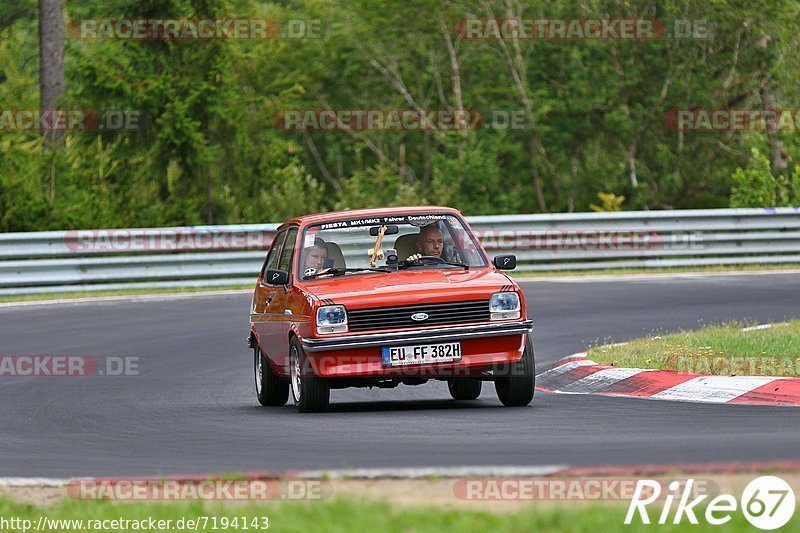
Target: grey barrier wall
57	261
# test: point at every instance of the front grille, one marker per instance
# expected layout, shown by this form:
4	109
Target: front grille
400	317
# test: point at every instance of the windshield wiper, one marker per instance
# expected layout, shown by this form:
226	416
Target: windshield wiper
340	271
462	265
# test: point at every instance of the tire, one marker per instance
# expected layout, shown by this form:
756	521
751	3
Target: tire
464	388
270	389
516	390
311	393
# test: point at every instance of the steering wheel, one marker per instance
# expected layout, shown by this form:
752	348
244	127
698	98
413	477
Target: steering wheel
434	258
422	259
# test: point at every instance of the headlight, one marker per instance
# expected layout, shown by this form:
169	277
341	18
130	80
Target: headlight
331	319
504	306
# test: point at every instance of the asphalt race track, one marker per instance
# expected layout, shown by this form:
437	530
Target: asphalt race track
192	409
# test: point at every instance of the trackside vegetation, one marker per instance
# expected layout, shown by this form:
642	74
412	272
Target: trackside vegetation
734	348
344	516
565	125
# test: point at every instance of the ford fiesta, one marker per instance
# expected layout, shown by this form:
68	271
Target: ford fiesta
383	297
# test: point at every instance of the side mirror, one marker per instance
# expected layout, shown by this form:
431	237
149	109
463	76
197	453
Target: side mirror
276	277
505	262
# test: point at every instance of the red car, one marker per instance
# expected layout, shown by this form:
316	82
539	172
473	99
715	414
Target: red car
382	297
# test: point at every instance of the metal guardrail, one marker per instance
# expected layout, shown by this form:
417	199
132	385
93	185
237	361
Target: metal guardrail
83	260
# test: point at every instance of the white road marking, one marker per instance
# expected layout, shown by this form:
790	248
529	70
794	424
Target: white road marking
437	471
601	380
12	482
764	326
712	389
566	367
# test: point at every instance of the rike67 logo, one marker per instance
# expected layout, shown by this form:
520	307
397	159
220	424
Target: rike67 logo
767	502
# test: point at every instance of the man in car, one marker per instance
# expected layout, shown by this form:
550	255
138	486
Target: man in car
430	241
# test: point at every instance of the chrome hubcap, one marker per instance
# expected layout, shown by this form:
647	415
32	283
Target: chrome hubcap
294	370
257	365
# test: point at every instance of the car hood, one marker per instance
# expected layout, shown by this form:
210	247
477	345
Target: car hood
408	287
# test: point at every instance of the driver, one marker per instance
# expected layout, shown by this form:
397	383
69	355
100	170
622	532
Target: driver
430	241
316	256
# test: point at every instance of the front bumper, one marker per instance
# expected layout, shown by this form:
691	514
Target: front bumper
454	333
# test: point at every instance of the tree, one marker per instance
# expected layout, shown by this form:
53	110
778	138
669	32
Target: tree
51	60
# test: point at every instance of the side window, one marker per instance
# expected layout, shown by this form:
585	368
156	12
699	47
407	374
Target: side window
288	250
274	252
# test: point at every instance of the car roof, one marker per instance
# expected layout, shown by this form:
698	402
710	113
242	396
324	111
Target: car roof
358	213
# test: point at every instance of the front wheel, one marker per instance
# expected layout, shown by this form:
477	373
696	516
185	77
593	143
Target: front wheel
464	388
270	389
311	393
516	389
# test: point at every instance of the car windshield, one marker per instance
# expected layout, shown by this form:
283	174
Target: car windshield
442	239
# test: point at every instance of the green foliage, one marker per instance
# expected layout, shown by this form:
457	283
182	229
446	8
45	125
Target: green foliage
474	183
292	191
376	187
757	187
592	113
608	202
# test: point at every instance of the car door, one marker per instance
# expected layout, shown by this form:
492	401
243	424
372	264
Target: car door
265	293
279	310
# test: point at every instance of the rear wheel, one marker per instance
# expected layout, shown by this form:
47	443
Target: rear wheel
311	393
516	389
464	388
270	390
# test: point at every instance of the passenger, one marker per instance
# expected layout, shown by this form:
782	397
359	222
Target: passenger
315	256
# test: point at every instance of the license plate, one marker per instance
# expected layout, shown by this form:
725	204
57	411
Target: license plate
421	354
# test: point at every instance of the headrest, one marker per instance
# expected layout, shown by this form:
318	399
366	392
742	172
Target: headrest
335	253
406	245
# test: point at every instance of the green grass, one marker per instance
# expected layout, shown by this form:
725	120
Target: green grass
349	516
720	350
